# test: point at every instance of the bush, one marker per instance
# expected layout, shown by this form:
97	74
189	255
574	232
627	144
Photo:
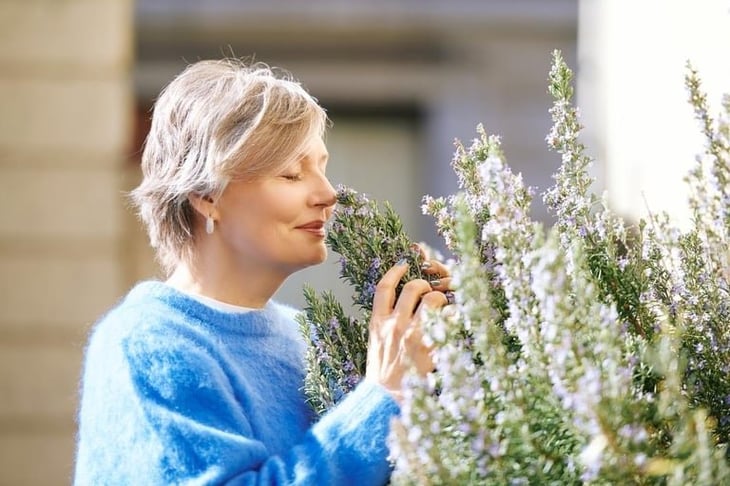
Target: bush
590	352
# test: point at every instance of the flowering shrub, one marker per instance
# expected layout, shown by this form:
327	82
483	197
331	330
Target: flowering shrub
369	240
592	352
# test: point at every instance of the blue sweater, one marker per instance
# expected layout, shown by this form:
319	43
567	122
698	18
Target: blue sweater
175	392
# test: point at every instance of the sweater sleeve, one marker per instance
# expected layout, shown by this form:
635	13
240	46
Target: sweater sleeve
201	434
347	446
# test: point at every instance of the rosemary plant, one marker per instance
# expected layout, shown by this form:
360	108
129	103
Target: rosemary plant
593	352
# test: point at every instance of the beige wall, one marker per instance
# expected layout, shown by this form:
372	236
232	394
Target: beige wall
638	121
65	100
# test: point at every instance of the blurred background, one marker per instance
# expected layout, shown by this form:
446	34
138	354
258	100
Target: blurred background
401	79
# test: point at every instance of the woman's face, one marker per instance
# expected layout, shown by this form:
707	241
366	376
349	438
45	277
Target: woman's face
278	220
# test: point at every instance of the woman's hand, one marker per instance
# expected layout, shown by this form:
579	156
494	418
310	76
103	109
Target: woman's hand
438	275
396	338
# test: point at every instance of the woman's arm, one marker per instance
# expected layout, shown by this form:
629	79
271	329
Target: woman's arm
170	415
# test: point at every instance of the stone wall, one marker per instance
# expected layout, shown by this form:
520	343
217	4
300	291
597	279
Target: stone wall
65	124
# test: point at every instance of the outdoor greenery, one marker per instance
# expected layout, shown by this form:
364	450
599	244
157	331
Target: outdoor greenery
595	351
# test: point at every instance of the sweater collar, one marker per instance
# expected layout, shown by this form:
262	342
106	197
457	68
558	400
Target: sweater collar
258	322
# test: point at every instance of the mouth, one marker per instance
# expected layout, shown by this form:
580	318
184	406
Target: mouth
313	227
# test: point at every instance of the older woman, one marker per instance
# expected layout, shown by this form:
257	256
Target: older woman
197	379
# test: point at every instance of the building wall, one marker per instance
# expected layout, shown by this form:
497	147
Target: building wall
65	98
639	123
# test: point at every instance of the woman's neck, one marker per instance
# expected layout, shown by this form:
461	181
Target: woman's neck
225	283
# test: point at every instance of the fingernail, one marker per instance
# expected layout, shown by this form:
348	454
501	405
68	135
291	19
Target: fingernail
450	298
435	283
426	265
402	261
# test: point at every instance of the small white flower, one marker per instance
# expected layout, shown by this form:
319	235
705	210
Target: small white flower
591	456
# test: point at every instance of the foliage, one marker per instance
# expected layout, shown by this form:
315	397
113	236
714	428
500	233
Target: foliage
369	240
592	352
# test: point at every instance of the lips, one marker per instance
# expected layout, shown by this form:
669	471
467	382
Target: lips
314	227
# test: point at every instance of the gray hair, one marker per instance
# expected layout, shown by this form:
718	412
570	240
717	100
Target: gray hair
216	121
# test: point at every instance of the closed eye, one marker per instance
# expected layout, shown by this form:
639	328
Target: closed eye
292	177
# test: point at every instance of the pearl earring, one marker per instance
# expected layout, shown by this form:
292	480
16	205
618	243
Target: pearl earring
209	225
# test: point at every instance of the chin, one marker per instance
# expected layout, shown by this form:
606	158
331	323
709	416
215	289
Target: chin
314	259
319	258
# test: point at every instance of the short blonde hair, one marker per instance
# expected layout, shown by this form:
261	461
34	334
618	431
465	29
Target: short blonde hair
216	121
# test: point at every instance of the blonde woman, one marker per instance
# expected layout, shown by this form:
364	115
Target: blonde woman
197	379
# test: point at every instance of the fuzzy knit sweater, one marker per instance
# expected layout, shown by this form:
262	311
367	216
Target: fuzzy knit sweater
176	392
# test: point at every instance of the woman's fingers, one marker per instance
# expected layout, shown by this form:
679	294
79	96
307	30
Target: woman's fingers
416	349
434	267
434	271
411	295
442	284
384	298
432	300
420	354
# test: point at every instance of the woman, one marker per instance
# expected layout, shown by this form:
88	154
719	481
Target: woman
197	380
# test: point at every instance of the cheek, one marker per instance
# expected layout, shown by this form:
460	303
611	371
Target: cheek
267	215
286	211
275	219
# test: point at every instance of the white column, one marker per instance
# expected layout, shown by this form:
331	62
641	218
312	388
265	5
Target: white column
632	57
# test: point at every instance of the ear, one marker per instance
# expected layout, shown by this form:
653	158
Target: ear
203	205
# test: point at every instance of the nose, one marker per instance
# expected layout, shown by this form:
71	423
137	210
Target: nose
326	195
